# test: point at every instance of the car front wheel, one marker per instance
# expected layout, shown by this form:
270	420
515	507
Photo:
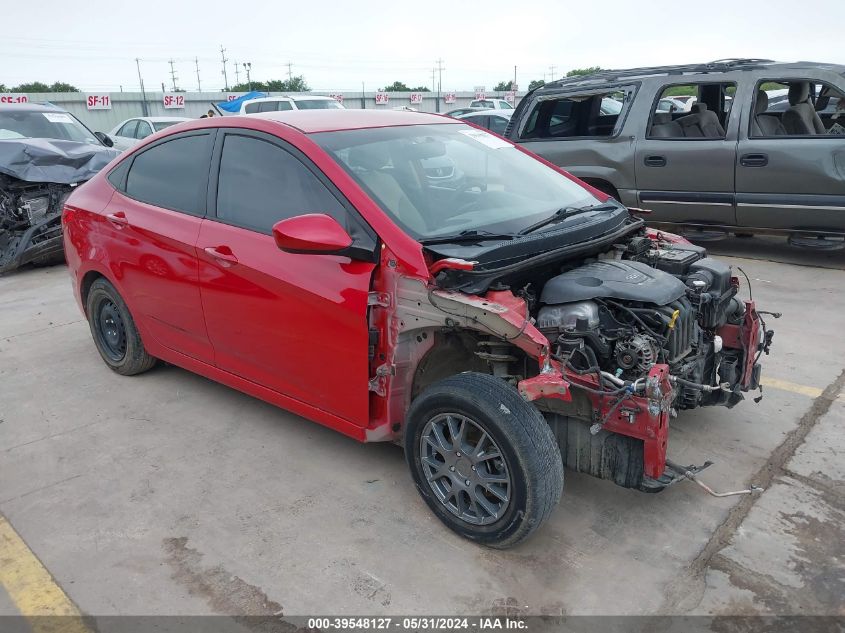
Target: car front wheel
484	460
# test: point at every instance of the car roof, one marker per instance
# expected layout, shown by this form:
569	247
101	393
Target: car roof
718	66
311	121
31	107
161	119
503	114
291	98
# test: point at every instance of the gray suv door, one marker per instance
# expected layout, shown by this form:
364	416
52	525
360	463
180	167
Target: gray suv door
791	181
685	159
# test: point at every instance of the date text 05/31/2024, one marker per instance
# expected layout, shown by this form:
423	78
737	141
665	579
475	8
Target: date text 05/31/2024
418	623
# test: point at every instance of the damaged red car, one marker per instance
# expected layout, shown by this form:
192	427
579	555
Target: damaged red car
405	277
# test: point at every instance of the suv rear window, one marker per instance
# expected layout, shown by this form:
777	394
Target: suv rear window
578	115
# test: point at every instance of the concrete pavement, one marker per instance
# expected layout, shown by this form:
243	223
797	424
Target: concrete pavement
167	493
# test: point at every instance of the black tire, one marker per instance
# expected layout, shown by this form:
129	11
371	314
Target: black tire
532	461
114	331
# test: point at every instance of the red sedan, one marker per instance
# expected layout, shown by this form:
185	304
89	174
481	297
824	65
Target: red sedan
406	277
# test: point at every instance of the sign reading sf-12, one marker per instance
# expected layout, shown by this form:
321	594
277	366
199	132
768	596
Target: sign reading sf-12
99	102
171	102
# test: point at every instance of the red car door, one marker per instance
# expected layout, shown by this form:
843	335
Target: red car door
150	229
294	323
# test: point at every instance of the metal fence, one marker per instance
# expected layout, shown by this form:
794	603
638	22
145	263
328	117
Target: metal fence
91	110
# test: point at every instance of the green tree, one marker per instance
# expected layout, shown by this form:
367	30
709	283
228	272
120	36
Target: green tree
3	88
295	84
504	86
420	89
536	84
396	86
578	72
33	86
60	86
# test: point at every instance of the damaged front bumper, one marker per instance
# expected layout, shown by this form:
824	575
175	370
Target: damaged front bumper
40	242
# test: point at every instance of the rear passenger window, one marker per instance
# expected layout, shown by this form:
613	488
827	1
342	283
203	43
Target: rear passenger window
260	183
171	175
578	115
692	111
251	108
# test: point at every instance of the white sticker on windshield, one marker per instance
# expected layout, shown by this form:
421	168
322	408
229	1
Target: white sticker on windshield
490	140
58	117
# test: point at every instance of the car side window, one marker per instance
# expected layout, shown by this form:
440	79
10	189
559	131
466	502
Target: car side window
498	124
261	183
801	107
128	129
267	106
594	114
144	130
283	105
251	108
172	174
691	111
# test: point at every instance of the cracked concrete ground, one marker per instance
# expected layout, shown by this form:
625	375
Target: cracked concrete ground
169	494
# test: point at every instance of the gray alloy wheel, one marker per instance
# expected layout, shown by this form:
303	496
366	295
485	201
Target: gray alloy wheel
465	468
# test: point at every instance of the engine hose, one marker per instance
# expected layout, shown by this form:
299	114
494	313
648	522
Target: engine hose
697	385
619	306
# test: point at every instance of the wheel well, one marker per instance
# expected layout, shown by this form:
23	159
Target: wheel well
452	353
603	186
89	278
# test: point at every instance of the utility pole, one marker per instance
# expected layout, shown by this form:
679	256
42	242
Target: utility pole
197	63
237	76
552	72
225	76
363	97
513	86
290	71
248	67
433	83
439	68
172	74
143	93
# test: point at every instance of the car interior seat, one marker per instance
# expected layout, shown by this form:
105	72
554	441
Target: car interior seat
801	118
662	126
701	123
368	164
765	124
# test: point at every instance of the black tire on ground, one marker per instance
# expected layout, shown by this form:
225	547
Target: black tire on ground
529	458
113	329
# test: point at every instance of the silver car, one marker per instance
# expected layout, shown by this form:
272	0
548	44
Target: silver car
131	131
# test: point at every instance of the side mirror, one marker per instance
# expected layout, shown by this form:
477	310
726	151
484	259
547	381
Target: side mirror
105	139
314	233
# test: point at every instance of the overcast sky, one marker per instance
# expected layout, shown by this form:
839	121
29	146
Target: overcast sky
337	44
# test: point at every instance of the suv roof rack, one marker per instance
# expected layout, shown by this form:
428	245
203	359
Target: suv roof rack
719	65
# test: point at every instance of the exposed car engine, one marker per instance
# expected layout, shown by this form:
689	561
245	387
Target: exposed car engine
30	221
650	305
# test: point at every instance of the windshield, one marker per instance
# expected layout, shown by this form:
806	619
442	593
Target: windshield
160	125
318	104
54	125
442	179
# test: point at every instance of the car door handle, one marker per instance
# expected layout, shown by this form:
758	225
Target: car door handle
655	161
754	160
118	219
222	254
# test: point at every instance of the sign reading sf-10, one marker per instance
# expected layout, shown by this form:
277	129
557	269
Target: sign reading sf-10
171	102
99	102
13	98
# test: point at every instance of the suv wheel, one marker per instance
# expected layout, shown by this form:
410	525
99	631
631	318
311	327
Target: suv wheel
115	335
484	460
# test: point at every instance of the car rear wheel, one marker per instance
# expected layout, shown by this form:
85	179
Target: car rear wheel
115	335
484	460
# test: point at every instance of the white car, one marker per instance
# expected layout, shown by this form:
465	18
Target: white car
131	131
493	120
491	104
298	102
